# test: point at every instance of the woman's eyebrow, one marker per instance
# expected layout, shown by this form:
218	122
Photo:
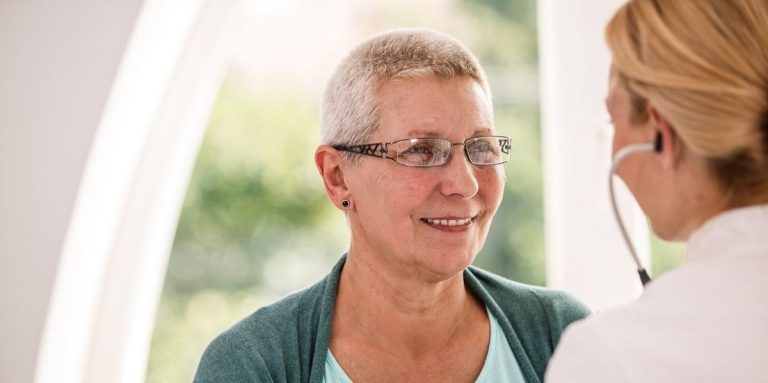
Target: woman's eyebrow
485	131
423	133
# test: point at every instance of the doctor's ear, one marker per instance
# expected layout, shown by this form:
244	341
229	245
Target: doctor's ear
665	141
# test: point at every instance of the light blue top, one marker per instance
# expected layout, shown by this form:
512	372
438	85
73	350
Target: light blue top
500	364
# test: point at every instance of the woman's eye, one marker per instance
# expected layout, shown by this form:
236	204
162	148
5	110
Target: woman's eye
419	154
481	146
423	151
420	150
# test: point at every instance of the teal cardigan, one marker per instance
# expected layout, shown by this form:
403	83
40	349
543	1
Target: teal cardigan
288	341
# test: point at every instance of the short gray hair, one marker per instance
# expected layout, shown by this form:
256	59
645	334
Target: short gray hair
349	112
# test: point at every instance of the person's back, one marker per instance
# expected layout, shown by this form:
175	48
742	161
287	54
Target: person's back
702	322
693	77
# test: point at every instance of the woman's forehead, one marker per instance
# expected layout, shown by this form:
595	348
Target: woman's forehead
434	108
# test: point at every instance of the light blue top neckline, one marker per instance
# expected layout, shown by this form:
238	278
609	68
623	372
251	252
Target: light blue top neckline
500	365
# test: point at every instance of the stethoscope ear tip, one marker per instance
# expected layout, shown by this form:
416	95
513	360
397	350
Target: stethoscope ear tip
644	277
657	143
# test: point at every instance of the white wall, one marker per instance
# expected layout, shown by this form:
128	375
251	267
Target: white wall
102	108
57	64
585	252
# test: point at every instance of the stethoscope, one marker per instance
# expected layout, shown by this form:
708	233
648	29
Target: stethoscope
623	153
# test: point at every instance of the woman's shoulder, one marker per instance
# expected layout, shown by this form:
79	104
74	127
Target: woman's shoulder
534	299
260	344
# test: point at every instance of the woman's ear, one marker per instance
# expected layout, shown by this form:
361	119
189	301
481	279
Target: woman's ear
330	165
665	133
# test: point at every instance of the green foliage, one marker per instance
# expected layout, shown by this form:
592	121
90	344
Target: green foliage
255	224
515	245
505	31
249	194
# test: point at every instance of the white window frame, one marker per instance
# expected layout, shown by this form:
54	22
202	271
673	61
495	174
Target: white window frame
586	255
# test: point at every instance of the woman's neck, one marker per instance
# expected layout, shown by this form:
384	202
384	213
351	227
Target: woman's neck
401	311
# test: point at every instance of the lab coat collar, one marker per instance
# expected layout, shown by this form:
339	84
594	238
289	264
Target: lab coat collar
733	232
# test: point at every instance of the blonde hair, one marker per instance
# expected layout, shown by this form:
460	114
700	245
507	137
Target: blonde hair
349	112
704	65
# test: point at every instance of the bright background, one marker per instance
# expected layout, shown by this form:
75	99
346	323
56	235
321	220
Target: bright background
103	109
256	224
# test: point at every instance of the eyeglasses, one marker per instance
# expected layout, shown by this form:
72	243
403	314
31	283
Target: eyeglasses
429	152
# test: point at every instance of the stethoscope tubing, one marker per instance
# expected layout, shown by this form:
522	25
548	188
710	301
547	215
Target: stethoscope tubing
617	159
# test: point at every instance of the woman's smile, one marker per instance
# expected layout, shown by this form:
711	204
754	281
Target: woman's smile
451	224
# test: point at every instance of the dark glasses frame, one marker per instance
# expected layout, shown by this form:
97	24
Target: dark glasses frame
382	149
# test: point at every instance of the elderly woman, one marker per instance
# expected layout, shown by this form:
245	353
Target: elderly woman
411	156
695	75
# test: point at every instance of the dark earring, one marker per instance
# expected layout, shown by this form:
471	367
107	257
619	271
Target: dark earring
345	203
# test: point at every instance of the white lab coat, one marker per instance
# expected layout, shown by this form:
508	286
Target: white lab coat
706	321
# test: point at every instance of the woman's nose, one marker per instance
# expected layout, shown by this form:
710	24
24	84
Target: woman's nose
459	175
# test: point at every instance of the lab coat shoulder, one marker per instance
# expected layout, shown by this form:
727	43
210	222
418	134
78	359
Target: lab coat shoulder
583	353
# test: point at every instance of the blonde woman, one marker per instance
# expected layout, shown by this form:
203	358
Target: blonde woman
695	74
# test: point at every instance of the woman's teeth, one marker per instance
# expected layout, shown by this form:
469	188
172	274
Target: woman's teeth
449	222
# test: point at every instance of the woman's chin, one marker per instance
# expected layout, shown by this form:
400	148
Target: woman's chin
446	264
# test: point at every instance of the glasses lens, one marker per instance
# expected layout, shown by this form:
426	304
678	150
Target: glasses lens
488	150
422	152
